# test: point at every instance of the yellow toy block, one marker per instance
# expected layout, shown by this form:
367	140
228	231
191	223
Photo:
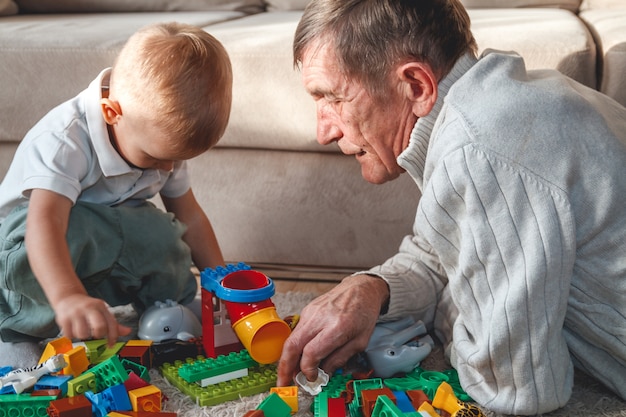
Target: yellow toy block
77	361
427	408
146	398
288	395
55	347
446	400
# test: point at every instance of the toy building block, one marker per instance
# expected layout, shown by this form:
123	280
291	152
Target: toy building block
446	400
274	406
77	361
288	395
204	369
218	336
109	373
53	382
81	384
260	379
134	381
417	398
427	410
137	369
24	405
254	413
56	393
78	406
141	414
336	407
113	398
403	402
147	398
109	352
56	347
386	408
370	396
141	354
365	384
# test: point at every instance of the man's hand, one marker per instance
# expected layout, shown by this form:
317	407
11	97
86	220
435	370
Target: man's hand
333	328
84	317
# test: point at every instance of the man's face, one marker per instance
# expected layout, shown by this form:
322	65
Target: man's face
373	131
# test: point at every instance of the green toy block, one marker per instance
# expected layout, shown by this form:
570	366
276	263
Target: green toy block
81	384
386	408
24	405
210	367
140	370
259	379
365	384
274	406
109	373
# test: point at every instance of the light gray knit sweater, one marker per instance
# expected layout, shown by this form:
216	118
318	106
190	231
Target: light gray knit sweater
518	252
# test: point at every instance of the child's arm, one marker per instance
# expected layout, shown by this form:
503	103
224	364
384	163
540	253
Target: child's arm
77	314
205	250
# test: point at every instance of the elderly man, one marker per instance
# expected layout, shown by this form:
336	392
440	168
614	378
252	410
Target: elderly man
516	260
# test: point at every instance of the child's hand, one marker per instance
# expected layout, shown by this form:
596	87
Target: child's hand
83	317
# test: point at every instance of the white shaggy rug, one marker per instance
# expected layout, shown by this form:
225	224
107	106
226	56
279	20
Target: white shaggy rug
590	399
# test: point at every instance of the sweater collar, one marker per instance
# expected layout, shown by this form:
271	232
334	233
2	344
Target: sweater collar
413	158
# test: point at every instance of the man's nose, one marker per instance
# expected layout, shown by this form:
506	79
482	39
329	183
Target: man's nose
327	131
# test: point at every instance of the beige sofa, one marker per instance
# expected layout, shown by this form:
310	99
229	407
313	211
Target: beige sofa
275	196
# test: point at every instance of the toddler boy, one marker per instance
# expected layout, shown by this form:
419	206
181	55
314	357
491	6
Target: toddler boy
77	232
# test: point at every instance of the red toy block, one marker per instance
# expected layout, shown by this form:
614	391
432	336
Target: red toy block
336	407
370	396
77	406
254	413
138	354
417	397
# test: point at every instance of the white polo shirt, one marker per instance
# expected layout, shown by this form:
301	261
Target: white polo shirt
69	152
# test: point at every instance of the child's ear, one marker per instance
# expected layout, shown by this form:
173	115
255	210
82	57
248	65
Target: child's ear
421	86
111	110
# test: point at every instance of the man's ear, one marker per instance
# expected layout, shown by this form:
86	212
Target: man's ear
111	110
420	85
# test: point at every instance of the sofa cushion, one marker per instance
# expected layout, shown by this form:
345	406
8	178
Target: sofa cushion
271	109
546	38
572	5
285	5
40	70
602	4
564	4
609	30
107	6
7	7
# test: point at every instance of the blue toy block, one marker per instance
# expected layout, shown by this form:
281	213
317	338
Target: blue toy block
114	398
403	402
53	382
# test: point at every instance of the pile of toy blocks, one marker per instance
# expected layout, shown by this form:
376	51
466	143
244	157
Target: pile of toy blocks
92	380
418	393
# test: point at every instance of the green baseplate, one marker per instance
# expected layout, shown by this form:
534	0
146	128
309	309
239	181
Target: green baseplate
185	374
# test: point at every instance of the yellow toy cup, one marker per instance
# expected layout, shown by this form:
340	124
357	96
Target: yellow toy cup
263	334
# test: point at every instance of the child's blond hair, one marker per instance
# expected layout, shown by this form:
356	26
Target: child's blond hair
178	77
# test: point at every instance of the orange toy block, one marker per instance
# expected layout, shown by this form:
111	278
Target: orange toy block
288	395
145	398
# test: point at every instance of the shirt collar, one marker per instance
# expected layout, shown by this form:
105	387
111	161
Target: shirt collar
413	158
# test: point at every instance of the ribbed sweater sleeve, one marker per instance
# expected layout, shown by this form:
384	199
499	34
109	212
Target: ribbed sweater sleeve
507	239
